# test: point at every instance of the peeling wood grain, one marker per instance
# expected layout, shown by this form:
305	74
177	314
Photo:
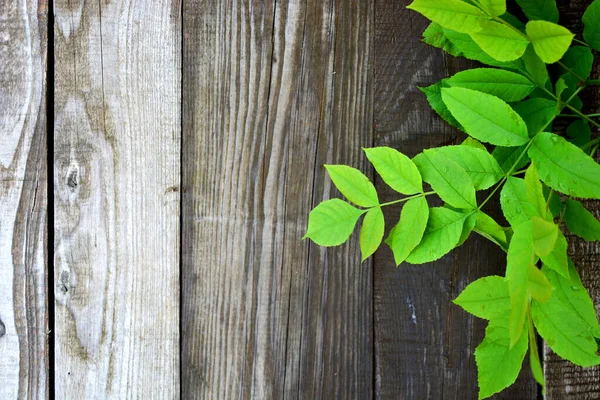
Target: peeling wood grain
117	153
272	90
23	201
424	344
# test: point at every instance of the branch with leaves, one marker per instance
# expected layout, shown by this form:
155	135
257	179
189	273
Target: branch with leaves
507	109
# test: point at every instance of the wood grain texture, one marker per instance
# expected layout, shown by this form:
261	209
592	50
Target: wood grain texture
272	90
23	200
116	177
563	379
424	344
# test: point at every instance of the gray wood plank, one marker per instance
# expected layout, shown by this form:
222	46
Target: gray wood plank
424	344
23	201
563	379
116	176
272	90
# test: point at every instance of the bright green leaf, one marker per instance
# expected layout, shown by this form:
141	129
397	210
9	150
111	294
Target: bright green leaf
331	222
447	178
534	356
471	50
468	226
396	169
494	8
564	332
486	297
500	42
486	117
371	233
565	167
353	184
442	234
535	191
573	295
508	156
506	85
434	36
591	24
434	97
498	360
516	204
557	259
538	285
540	9
520	257
407	234
545	234
561	86
581	222
482	168
452	14
537	113
550	41
487	227
469	141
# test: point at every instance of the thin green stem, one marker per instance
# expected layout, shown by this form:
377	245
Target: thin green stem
591	143
570	107
569	70
581	42
520	172
549	199
406	199
503	22
577	116
592	82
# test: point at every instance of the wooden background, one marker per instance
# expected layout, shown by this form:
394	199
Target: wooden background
158	161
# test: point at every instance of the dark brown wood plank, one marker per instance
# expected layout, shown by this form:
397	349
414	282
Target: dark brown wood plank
424	344
563	379
272	90
23	200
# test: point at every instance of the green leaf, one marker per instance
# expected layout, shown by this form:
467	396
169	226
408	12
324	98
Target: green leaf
579	133
434	36
469	141
452	14
545	234
534	356
443	232
487	227
581	222
371	233
538	285
407	234
447	178
482	168
434	97
564	332
532	65
396	169
500	42
540	9
520	257
354	185
468	226
535	191
508	156
494	8
506	85
580	60
561	86
331	222
471	50
485	298
485	117
573	295
565	167
516	204
498	361
556	204
557	259
591	24
550	41
537	113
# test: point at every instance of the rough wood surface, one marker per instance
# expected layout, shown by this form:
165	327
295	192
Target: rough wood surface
424	344
272	90
563	379
116	177
23	200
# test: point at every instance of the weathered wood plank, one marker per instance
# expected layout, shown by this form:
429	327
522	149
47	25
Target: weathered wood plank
424	344
117	175
272	90
23	201
563	379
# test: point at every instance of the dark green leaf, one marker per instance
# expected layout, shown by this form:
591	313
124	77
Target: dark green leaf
434	97
540	9
581	222
591	24
537	113
508	156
